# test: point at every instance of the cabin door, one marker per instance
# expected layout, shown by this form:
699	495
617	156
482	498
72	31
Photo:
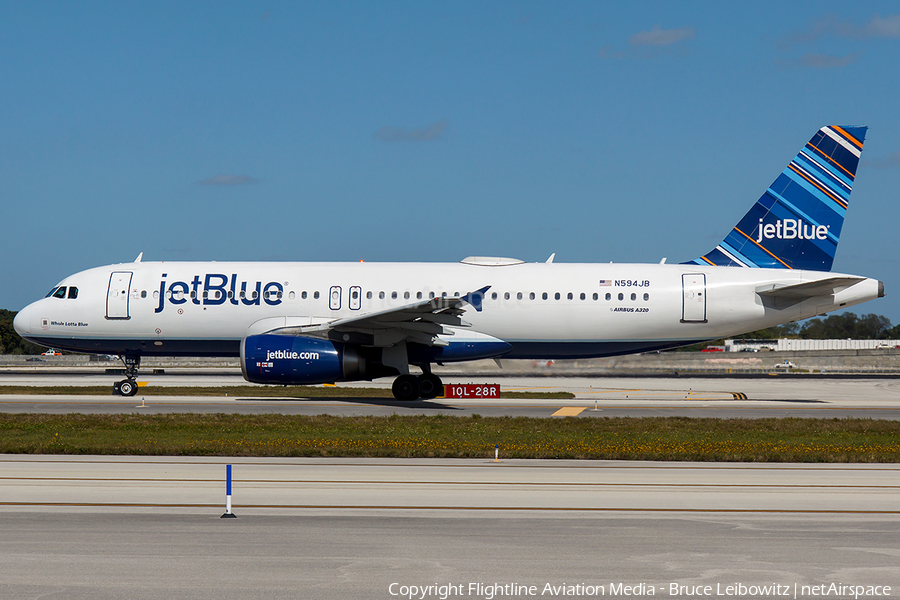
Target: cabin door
117	295
693	308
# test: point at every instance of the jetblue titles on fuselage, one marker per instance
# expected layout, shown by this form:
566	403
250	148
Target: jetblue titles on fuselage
218	288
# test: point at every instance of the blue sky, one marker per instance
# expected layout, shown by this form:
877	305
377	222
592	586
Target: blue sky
401	131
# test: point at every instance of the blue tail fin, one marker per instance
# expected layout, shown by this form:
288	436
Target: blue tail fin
796	224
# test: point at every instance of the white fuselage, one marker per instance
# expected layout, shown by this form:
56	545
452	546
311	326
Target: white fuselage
543	310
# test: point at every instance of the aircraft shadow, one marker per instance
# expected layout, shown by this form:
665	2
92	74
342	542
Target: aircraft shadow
387	402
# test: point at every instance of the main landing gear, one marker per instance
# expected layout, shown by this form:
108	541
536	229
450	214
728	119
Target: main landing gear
128	386
425	386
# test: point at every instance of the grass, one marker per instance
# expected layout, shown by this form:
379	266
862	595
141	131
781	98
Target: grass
247	391
658	438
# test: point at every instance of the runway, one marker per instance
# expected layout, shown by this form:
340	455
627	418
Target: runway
594	397
149	527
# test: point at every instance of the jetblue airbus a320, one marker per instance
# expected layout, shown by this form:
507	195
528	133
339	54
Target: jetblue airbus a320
309	323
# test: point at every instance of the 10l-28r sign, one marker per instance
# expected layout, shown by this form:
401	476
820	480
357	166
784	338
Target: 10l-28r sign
472	390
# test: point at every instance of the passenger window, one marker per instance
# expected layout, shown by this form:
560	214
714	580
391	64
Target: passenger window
279	294
156	295
596	296
418	295
519	296
583	296
646	296
431	295
634	296
494	296
506	296
60	292
531	296
608	296
302	295
406	295
556	295
544	296
381	295
393	295
315	295
291	295
570	296
354	294
621	296
73	293
255	294
194	294
368	295
205	294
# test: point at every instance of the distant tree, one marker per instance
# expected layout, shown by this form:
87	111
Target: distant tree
846	326
10	341
773	333
833	327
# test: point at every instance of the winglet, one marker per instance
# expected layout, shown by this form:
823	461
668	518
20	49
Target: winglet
475	298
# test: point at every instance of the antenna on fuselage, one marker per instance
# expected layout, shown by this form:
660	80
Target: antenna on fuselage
139	257
550	260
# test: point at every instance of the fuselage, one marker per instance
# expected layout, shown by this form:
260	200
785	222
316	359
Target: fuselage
542	310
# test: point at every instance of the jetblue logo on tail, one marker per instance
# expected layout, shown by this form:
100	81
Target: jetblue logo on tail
790	229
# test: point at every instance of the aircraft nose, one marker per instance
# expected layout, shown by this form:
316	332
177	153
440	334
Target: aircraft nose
22	321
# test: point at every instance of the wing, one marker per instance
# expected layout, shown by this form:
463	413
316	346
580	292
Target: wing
421	322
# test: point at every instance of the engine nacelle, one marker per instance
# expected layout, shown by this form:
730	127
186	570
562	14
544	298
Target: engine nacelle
299	360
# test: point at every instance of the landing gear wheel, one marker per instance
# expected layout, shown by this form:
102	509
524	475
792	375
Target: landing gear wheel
127	387
406	388
430	386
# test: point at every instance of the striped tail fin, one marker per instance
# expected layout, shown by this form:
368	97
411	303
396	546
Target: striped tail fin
796	224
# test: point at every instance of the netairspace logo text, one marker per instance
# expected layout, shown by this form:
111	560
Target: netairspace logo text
490	591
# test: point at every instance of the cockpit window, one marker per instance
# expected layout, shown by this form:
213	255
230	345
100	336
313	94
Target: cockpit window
73	292
50	293
60	292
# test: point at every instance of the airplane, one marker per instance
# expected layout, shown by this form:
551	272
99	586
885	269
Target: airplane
296	323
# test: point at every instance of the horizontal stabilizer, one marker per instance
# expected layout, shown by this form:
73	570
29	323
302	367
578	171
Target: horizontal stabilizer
811	289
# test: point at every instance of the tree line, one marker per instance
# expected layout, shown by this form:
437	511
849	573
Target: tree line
10	341
833	327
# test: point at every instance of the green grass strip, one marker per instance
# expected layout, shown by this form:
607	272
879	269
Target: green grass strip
245	391
658	438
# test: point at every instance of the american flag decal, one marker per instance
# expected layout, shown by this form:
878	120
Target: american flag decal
606	282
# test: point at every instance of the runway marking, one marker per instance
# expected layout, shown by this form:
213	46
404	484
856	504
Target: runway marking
465	508
569	411
456	483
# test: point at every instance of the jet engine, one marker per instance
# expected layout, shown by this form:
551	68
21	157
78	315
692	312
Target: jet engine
302	360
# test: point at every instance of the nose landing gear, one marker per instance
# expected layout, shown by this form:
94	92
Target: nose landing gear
128	386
